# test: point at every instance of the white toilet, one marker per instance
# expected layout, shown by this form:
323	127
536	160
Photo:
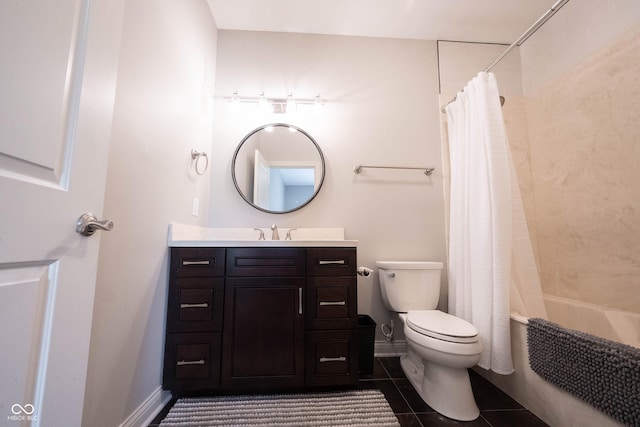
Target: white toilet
440	347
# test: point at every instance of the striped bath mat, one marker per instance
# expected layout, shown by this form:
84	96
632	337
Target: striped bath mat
348	408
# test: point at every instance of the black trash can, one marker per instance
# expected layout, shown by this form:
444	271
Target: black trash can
366	338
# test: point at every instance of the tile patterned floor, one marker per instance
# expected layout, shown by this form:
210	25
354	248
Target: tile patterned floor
496	408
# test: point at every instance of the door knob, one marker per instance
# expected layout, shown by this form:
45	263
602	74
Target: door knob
88	224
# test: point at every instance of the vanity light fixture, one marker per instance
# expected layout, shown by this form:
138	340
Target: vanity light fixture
287	104
291	104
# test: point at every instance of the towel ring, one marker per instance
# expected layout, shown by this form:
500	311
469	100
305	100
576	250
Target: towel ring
196	155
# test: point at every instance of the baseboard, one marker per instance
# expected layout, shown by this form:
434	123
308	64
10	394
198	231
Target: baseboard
389	349
147	411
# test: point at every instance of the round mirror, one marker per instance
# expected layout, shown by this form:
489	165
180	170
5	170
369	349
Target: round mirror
278	168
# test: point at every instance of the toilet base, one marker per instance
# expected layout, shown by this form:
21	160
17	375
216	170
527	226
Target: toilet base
446	390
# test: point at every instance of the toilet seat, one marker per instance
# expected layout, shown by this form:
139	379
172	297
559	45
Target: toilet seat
439	325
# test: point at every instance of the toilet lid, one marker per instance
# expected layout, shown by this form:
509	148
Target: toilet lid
440	325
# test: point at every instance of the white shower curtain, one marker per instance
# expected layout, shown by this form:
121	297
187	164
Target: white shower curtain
480	218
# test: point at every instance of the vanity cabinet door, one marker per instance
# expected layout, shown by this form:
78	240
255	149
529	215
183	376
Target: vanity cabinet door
197	262
263	345
331	261
265	262
331	303
192	362
331	357
195	304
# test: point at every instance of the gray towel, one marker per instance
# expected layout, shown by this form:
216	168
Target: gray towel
603	373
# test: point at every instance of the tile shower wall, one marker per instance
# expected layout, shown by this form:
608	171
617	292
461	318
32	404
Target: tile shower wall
574	138
584	127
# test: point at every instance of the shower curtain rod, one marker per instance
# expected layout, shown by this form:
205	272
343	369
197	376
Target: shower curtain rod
532	29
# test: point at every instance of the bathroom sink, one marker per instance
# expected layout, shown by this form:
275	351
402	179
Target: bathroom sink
181	235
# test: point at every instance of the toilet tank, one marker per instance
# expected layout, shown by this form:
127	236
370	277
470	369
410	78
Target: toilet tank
409	285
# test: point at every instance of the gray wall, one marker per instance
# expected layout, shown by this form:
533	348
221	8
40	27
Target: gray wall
163	109
381	109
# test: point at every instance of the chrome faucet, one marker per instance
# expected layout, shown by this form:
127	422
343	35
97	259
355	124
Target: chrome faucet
288	237
261	237
274	233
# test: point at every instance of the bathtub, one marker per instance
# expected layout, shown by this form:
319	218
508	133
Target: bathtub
551	404
615	325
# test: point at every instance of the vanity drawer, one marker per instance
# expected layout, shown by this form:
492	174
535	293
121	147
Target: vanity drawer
266	262
331	261
331	303
197	262
331	357
192	361
195	304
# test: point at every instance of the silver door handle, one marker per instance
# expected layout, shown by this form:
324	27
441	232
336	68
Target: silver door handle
88	224
332	303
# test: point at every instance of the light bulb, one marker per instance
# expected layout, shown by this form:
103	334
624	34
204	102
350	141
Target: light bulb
263	104
318	104
291	104
235	102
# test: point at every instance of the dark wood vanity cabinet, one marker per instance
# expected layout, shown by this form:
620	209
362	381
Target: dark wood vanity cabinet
331	319
261	318
264	318
194	319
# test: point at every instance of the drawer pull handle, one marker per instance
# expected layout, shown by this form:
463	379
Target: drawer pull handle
203	262
331	261
332	303
333	359
299	300
201	305
190	362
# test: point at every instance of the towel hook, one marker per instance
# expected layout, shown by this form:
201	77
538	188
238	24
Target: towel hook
196	155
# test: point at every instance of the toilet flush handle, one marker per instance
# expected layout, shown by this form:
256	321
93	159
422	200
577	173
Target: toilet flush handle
390	273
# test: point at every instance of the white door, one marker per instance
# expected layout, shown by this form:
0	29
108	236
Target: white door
58	67
261	180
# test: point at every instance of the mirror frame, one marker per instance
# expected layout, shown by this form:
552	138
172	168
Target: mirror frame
249	135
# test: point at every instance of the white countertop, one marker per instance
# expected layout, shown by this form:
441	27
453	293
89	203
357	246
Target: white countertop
181	235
